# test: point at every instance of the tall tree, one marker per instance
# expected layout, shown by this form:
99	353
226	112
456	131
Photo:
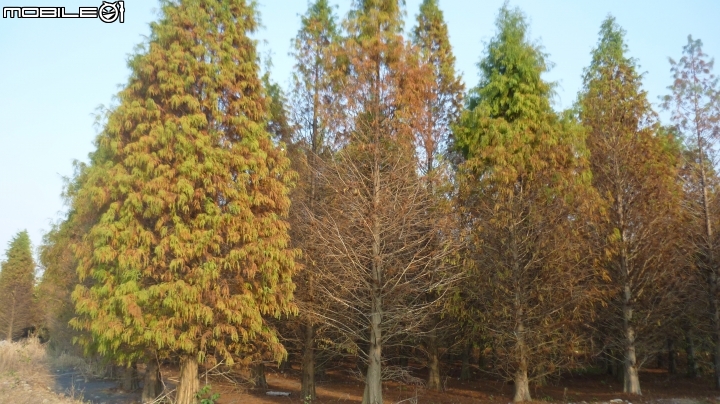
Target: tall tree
59	265
278	125
526	194
190	250
377	227
442	101
440	106
17	281
694	103
316	83
635	171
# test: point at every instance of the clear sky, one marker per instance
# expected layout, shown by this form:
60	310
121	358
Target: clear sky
55	72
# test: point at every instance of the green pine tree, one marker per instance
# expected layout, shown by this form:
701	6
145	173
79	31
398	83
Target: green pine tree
17	282
190	250
523	187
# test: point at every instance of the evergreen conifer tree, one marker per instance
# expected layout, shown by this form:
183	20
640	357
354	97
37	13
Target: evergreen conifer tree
190	249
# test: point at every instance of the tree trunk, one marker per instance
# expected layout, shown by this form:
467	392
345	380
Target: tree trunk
715	314
631	380
433	382
130	378
672	356
631	383
12	318
152	385
363	349
320	371
465	369
482	358
609	360
373	380
308	365
284	366
522	385
189	384
257	374
692	367
712	265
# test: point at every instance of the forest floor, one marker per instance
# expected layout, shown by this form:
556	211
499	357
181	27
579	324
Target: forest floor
28	375
658	387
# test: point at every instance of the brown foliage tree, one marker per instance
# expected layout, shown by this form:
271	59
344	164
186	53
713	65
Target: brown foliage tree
380	233
635	171
316	84
695	107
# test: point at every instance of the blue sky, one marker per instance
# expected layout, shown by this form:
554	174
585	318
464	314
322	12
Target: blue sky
55	72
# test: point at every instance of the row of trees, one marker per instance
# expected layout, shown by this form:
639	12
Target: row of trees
377	207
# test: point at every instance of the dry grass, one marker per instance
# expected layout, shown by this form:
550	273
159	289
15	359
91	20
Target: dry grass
25	376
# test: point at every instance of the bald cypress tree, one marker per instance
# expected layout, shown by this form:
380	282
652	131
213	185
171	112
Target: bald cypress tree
694	103
525	191
440	105
376	228
17	281
190	250
59	263
636	172
444	89
316	84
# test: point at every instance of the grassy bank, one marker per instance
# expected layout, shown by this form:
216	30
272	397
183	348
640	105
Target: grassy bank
25	375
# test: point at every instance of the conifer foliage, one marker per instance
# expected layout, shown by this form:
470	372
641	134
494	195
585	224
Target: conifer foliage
377	229
316	86
524	187
442	95
190	250
17	280
59	266
440	102
695	106
635	170
370	217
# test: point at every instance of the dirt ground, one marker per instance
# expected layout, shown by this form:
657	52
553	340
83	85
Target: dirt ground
657	385
339	387
26	377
